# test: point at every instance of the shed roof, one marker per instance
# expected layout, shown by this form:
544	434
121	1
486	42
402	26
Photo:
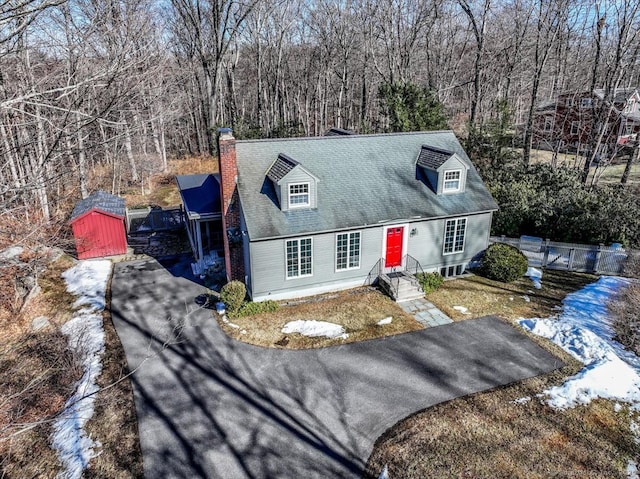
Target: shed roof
99	200
363	180
200	195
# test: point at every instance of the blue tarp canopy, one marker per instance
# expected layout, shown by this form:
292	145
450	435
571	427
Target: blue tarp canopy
200	195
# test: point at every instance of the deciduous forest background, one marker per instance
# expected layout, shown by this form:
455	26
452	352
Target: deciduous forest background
103	93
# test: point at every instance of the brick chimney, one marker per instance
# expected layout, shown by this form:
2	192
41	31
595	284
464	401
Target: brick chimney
232	234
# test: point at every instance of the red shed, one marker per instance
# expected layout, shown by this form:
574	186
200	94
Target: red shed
98	224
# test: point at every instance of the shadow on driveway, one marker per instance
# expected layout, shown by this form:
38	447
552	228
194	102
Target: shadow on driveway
211	407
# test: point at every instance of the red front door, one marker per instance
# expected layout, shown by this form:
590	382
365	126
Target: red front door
394	247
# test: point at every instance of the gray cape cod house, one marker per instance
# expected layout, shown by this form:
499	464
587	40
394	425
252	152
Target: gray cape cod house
302	216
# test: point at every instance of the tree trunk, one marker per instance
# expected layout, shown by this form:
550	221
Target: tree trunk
634	157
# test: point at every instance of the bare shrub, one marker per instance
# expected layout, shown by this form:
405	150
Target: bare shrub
626	312
632	265
38	373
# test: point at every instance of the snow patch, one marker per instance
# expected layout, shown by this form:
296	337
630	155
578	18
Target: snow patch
536	276
584	330
461	309
522	400
384	321
315	328
85	333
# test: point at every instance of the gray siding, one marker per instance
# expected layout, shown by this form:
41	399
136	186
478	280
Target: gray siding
452	163
268	274
427	245
297	175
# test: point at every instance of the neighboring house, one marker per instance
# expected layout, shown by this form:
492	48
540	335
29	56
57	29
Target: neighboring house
570	121
308	215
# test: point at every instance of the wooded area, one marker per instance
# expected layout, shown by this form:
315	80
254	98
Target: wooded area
102	92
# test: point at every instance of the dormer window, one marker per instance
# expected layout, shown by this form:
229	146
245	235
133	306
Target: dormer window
452	181
443	171
295	187
585	102
298	195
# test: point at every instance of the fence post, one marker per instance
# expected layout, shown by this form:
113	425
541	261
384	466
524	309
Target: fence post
596	263
572	255
545	257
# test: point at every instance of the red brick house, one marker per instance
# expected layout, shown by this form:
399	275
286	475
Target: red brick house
573	120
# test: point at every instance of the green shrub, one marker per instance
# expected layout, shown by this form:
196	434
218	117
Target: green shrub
430	281
503	262
250	308
232	295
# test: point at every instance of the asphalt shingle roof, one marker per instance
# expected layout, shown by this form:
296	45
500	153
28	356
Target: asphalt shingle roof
100	200
335	131
363	180
433	158
281	167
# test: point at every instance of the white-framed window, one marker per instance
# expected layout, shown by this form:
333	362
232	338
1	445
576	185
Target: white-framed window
630	106
575	127
299	254
586	102
548	124
347	251
570	102
298	195
451	181
454	233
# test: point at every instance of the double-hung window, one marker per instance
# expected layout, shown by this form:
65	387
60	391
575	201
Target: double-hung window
454	232
452	181
347	250
299	258
298	195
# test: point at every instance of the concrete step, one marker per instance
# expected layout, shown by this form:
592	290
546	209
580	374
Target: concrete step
409	296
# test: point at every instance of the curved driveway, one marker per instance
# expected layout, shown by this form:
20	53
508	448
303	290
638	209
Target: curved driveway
211	407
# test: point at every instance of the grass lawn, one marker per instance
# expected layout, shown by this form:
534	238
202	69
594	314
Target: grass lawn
519	299
490	435
610	175
357	310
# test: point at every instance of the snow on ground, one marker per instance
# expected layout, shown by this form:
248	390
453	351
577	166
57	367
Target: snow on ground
315	328
88	281
535	275
584	330
462	309
384	321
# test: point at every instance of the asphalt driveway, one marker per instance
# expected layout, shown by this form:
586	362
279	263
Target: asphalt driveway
211	407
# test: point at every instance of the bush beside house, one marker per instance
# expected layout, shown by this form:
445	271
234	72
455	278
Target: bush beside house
503	262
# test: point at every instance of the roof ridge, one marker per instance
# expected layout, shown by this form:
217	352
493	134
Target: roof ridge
344	137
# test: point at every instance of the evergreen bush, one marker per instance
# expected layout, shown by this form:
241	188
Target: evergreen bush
503	262
232	295
430	281
250	308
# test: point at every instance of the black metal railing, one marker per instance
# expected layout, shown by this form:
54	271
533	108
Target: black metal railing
391	277
374	274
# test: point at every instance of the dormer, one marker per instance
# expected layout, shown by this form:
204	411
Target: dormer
445	172
295	187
